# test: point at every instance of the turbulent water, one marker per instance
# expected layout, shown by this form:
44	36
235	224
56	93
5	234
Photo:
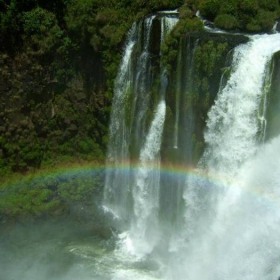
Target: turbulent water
227	218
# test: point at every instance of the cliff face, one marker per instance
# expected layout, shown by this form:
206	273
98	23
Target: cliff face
273	99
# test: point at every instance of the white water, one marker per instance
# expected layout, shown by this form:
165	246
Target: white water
143	233
239	239
142	85
274	28
233	125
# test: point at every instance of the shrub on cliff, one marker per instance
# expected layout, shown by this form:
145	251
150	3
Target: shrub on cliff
245	15
42	29
227	22
187	23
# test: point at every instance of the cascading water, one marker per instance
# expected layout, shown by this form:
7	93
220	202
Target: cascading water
226	220
233	123
230	232
118	147
134	196
144	231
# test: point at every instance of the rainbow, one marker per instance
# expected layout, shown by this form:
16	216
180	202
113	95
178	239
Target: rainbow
174	171
86	169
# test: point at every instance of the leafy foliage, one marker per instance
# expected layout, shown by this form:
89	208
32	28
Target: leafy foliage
187	23
46	194
227	22
247	15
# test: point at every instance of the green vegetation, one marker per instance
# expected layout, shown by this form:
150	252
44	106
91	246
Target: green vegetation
248	15
208	56
188	23
48	193
58	61
227	22
192	90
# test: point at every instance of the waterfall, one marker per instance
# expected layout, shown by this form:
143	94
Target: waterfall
232	126
142	84
144	229
177	99
220	220
117	182
136	129
231	218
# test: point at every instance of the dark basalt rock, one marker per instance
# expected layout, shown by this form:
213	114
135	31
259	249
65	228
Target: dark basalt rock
273	107
233	39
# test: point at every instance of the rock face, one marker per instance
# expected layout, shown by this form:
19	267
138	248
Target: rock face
273	100
277	26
